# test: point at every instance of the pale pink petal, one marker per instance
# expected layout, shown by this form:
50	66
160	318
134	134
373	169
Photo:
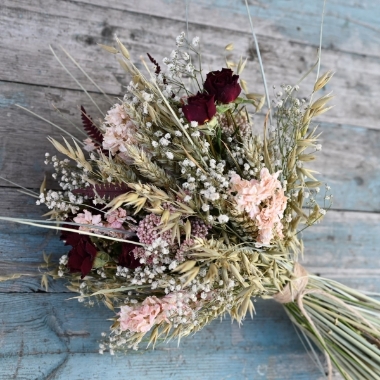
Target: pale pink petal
264	201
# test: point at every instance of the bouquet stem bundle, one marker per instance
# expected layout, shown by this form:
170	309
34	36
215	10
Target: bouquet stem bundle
344	323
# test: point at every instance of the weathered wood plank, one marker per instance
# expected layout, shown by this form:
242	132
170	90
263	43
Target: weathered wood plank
356	22
30	61
46	336
348	162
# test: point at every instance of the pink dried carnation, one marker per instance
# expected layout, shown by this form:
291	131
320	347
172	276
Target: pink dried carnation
269	219
263	200
120	131
250	194
151	311
117	137
87	218
116	115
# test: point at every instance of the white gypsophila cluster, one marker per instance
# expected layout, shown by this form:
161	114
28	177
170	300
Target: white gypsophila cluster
182	312
121	271
62	268
146	275
179	62
289	111
212	185
68	177
312	196
161	144
239	155
189	308
138	99
289	116
158	259
62	202
101	273
85	292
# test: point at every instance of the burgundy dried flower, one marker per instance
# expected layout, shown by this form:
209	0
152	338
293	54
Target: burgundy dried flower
200	108
127	257
223	85
82	253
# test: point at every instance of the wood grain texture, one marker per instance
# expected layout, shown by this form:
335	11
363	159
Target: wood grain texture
44	336
70	334
354	22
29	59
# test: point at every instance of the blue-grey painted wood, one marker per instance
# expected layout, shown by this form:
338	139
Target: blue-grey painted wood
349	25
286	60
46	336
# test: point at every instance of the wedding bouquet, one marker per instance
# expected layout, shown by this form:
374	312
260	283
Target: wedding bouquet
175	213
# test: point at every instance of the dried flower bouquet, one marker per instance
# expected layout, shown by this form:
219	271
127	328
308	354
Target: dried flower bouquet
176	213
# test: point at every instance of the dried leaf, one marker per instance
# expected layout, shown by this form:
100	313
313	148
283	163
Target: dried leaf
110	49
43	186
123	49
243	84
241	66
187	228
323	80
185	267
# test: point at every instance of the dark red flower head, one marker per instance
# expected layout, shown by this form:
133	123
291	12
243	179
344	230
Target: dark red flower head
200	108
82	253
127	258
223	85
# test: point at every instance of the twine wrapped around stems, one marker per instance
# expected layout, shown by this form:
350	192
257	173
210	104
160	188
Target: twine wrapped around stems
311	301
294	291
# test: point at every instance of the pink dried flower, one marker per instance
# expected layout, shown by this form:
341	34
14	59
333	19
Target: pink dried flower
247	198
251	193
180	255
140	318
151	311
199	228
117	137
87	218
116	115
269	219
147	231
263	200
90	145
116	218
120	131
269	183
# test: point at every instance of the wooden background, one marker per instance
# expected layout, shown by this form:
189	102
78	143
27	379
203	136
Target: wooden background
44	335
